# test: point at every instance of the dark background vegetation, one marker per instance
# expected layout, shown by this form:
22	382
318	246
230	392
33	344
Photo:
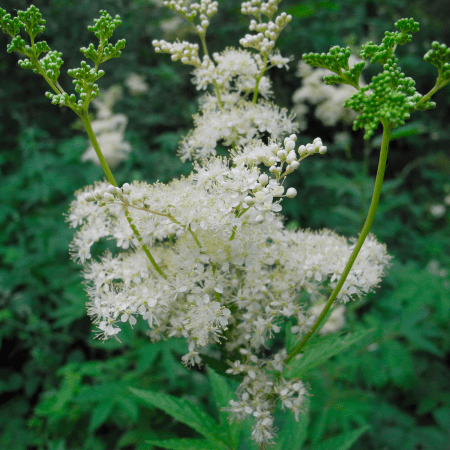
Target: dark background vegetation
62	390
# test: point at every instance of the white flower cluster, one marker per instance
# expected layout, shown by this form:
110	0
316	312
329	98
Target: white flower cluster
229	115
109	129
329	99
202	11
238	123
258	392
232	270
223	269
264	41
136	84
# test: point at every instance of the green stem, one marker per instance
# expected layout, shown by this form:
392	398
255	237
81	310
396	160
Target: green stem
87	124
84	117
195	237
144	247
433	91
359	243
38	66
205	52
255	93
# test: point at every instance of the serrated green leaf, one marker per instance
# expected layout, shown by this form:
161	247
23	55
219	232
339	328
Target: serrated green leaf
341	442
223	394
319	351
183	411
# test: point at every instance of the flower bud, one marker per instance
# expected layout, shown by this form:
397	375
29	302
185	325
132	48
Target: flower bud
291	157
322	150
291	192
295	164
282	154
126	188
259	218
263	179
249	200
289	145
98	195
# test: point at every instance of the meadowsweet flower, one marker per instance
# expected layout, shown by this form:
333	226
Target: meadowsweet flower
232	272
136	84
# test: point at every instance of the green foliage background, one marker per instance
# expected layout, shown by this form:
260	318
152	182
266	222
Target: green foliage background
62	390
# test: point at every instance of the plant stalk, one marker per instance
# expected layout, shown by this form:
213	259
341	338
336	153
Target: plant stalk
111	179
364	232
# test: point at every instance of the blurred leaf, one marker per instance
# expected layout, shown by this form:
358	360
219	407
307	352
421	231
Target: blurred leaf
292	434
320	350
99	415
183	411
341	442
223	394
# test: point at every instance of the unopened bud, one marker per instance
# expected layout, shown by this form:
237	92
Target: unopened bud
249	200
291	192
263	179
126	188
291	157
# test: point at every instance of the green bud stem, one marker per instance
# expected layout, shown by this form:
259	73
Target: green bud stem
439	85
58	89
255	93
84	117
87	124
359	243
205	52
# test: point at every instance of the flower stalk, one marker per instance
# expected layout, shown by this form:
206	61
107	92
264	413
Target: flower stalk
362	237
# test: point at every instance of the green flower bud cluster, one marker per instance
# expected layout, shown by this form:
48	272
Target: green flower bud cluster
103	30
439	56
336	60
32	21
9	26
381	53
391	96
85	77
101	55
18	45
388	101
63	99
50	65
105	26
